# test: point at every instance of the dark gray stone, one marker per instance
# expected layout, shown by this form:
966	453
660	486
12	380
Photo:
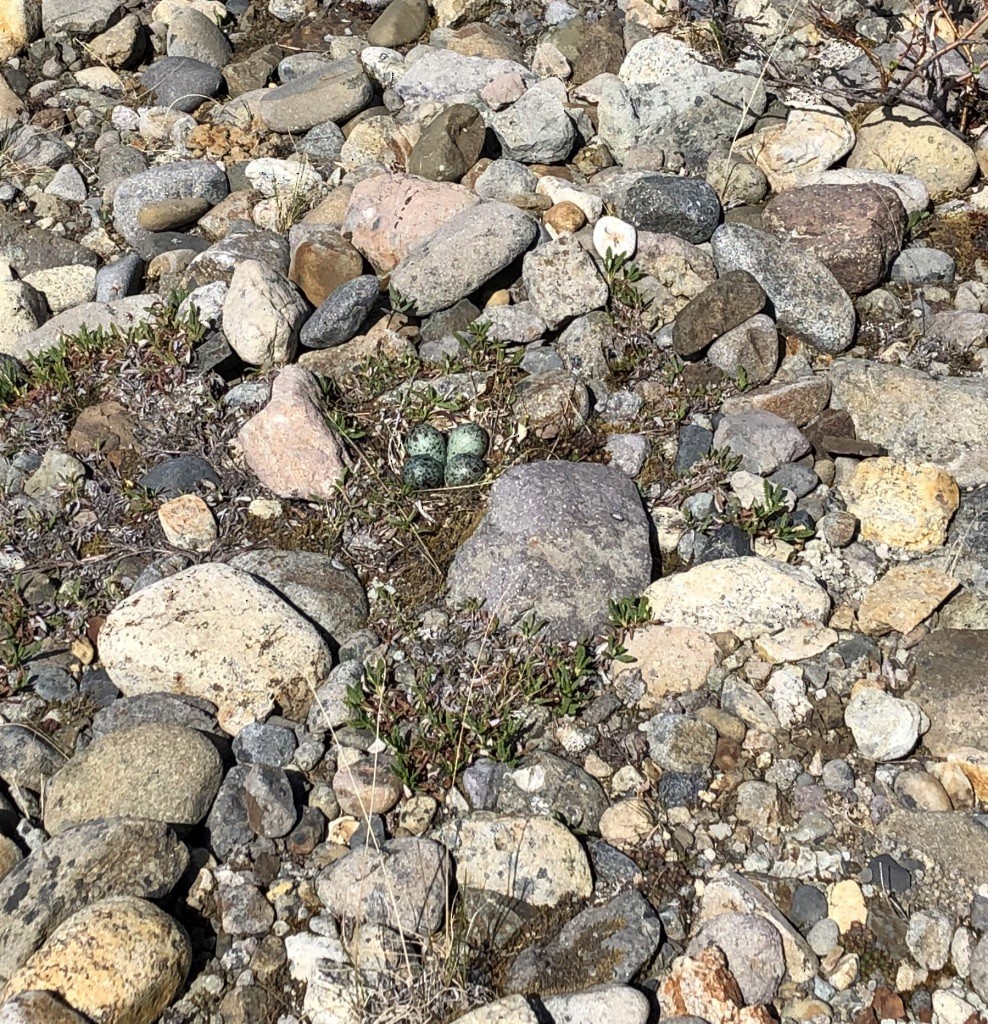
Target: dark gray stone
219	261
181	83
687	207
454	320
559	540
269	801
117	280
553	787
26	759
726	541
264	743
801	480
322	144
694	444
227	824
919	266
182	474
809	905
157	708
719	308
341	314
32	249
681	789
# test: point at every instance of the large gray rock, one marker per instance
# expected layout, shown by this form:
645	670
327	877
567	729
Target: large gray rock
916	417
333	94
807	298
181	83
77	17
30	249
167	181
549	785
560	540
467	251
535	129
320	587
753	949
119	857
445	77
562	281
192	34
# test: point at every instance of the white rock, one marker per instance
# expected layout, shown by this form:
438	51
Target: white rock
263	314
64	287
282	179
884	727
616	235
22	310
600	1003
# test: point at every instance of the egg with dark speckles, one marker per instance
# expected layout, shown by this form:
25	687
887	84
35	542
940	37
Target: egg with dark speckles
426	440
464	469
422	473
468	439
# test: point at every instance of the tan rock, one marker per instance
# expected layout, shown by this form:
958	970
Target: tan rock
564	218
10	103
389	215
20	24
215	632
367	786
188	523
451	13
10	855
904	140
118	961
510	1010
38	1008
671	659
903	504
380	342
954	780
809	142
169	214
107	427
236	206
796	401
903	598
974	764
702	986
319	267
289	445
795	643
331	211
846	905
627	823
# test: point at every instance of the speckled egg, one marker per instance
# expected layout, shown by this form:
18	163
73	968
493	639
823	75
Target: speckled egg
464	469
422	473
426	440
468	439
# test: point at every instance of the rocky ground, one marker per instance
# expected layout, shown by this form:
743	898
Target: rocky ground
662	695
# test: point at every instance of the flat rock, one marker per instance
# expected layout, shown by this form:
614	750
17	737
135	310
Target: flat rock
334	93
215	632
444	77
160	772
809	301
720	308
78	17
123	314
389	215
943	421
601	945
906	505
263	315
562	281
603	1002
289	445
762	440
119	959
903	598
82	865
747	596
671	659
536	860
467	251
559	540
957	844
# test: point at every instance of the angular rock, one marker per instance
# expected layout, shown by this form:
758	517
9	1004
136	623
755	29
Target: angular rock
763	440
289	445
807	144
82	865
121	959
535	129
719	308
559	540
215	632
752	348
747	596
808	300
467	251
74	18
263	315
671	660
450	144
753	949
20	24
703	987
548	785
159	772
562	281
884	727
603	1002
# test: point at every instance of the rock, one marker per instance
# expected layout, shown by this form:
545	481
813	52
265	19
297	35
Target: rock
450	144
400	23
685	207
57	474
192	34
548	785
159	772
552	403
177	180
511	1009
272	654
183	474
317	585
334	93
703	987
949	686
262	315
808	300
38	1008
918	267
954	843
601	945
855	231
536	860
718	309
562	281
904	140
536	128
559	540
905	505
466	251
22	309
928	938
753	950
671	659
751	347
678	743
289	445
269	801
763	440
389	215
796	643
81	19
884	728
265	743
502	179
444	76
120	959
67	184
911	191
20	24
64	287
846	905
10	103
82	865
809	142
340	316
917	418
367	786
404	885
188	524
121	45
322	265
181	83
903	598
603	1002
747	596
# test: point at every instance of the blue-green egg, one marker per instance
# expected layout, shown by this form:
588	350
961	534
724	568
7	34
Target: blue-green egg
422	473
464	469
426	440
468	439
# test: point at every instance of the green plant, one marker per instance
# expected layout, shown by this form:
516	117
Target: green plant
628	612
399	304
621	275
770	518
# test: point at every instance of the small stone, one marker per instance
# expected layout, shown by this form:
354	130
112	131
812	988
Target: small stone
928	938
265	743
367	786
903	598
671	659
680	743
188	523
719	308
341	314
884	727
686	207
626	824
846	905
269	801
